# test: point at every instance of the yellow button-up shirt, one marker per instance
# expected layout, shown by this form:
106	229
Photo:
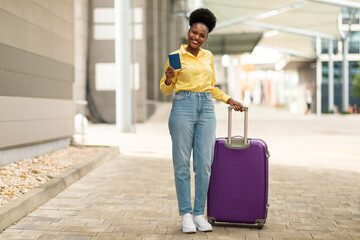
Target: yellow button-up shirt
197	74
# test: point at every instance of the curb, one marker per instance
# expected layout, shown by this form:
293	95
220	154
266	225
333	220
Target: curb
20	207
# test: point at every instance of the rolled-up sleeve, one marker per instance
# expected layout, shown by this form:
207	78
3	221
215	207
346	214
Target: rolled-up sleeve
215	91
167	89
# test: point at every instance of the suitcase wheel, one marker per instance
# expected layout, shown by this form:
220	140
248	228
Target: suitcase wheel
211	220
261	223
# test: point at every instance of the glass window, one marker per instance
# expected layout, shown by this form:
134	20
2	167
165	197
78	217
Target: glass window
104	32
138	31
136	76
325	85
325	72
105	77
325	46
104	24
138	15
337	71
104	15
354	43
347	13
353	71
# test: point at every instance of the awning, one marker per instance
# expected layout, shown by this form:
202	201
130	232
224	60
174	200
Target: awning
232	43
284	24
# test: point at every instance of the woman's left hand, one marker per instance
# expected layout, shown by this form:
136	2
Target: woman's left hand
237	105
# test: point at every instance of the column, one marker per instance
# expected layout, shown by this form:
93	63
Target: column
318	76
331	76
123	65
345	75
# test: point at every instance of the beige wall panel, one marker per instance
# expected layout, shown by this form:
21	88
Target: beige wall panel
23	62
23	109
12	6
71	2
59	8
21	85
27	36
38	15
24	132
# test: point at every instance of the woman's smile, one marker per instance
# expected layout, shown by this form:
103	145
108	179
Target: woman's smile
195	42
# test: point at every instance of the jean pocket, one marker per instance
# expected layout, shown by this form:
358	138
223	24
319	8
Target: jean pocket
181	96
208	96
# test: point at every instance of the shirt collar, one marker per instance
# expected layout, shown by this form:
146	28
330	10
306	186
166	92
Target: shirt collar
183	51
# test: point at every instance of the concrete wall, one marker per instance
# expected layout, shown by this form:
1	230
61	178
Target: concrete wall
306	74
306	78
102	51
166	30
36	75
139	53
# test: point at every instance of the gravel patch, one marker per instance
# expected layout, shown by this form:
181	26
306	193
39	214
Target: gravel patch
20	177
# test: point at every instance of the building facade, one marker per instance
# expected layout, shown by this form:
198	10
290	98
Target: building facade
36	77
350	26
157	28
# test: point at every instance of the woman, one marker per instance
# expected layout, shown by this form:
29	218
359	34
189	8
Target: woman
308	96
192	120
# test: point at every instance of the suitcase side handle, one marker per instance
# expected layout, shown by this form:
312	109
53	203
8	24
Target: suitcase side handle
235	143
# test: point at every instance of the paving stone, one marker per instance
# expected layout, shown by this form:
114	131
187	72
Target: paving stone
195	236
331	236
109	235
355	236
63	233
156	237
78	237
47	237
286	234
19	236
40	219
310	228
11	230
258	238
240	232
36	227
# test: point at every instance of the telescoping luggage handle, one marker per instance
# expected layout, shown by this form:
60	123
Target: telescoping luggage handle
237	143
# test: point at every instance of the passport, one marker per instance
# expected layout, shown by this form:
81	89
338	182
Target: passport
174	60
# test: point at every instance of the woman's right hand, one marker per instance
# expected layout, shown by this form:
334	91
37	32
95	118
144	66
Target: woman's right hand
170	74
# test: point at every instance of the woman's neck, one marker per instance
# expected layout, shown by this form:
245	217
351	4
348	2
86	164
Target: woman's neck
193	51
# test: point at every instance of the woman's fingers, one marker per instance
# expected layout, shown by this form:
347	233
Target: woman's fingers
170	72
237	105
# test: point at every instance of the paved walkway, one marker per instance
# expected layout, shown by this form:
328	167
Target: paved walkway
314	184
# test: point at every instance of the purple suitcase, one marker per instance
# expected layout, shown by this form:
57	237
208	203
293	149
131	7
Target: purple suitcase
238	190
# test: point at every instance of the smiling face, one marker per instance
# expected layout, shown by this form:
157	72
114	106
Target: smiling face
197	35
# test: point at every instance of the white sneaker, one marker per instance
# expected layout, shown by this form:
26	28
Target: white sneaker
188	225
201	224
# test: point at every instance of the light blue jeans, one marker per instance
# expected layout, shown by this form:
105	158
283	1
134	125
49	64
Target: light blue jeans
192	125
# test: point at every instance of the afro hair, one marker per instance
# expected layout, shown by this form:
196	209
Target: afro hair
205	16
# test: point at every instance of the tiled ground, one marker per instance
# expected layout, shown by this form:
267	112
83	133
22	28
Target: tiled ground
314	187
132	198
